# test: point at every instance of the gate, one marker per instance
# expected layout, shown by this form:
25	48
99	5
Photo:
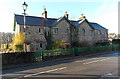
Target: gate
38	55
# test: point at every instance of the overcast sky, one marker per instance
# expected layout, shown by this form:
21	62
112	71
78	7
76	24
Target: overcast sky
103	12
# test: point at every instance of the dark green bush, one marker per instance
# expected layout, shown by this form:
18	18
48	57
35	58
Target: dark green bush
116	41
102	43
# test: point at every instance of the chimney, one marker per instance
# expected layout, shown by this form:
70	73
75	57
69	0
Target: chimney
82	17
44	14
66	15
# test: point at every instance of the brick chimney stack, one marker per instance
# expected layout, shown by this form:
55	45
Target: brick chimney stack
66	15
44	14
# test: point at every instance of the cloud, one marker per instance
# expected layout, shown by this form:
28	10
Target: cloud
5	18
107	15
110	21
7	15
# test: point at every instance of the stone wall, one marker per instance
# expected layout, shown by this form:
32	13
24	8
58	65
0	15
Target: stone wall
101	35
63	31
35	37
88	36
85	34
27	57
17	58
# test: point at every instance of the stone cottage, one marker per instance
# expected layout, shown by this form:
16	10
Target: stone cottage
40	31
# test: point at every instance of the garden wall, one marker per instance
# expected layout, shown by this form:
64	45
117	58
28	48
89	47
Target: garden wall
17	57
27	57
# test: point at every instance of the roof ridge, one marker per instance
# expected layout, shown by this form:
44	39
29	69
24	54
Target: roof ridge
29	16
52	18
93	22
38	21
35	16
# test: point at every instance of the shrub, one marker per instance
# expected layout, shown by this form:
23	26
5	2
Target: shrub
18	42
75	44
57	45
116	41
102	43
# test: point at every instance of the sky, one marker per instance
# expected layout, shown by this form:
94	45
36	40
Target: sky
103	12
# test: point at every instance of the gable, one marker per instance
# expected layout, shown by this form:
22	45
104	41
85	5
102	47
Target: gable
62	19
85	23
63	23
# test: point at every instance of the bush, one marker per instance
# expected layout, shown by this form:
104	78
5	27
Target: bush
75	44
18	42
116	41
102	43
19	47
55	45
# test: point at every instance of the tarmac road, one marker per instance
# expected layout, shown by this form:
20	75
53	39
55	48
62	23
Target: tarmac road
91	66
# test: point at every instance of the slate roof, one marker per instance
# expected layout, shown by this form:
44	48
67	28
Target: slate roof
35	21
75	23
97	26
40	21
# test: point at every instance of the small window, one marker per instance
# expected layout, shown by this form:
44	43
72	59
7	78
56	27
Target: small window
24	29
83	32
92	32
55	30
40	45
40	30
99	32
67	31
36	46
47	33
28	32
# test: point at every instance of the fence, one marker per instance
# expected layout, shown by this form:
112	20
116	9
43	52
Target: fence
26	57
46	54
40	55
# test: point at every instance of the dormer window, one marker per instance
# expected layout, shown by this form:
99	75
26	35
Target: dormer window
55	30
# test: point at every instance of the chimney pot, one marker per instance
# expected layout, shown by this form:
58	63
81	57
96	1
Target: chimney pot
44	14
66	14
82	17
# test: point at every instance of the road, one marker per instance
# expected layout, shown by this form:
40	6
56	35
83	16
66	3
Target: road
88	66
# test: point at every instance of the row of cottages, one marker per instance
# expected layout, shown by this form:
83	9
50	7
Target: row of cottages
40	31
